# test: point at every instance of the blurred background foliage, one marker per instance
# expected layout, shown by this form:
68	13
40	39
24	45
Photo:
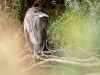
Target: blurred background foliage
73	30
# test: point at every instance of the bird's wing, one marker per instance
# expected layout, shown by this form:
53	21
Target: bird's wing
31	23
31	46
44	29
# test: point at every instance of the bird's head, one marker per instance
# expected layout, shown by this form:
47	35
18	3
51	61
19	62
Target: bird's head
36	11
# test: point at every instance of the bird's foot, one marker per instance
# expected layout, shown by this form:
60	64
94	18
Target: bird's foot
36	56
43	55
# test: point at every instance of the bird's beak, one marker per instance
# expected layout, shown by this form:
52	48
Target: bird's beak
41	14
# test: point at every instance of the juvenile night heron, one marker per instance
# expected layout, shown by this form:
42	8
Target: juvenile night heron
35	30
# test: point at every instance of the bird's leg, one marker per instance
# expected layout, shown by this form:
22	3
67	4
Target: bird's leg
34	51
42	53
35	54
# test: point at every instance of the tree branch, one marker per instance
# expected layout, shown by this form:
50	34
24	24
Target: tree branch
77	62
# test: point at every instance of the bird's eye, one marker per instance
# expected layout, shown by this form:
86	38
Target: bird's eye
35	11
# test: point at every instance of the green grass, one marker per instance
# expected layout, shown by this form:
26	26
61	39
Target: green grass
77	35
76	29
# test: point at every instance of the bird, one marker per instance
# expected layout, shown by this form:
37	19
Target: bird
35	28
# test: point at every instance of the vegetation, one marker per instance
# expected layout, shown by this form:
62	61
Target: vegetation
73	32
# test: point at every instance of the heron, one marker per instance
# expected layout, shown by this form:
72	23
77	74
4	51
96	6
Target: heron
35	27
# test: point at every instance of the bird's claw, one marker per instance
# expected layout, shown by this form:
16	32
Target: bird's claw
42	54
36	56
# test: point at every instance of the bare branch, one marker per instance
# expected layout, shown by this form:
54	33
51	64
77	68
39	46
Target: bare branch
90	55
34	65
93	74
71	62
65	61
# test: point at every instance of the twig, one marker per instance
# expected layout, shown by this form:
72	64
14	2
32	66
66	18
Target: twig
24	58
71	62
90	55
43	61
93	74
34	65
